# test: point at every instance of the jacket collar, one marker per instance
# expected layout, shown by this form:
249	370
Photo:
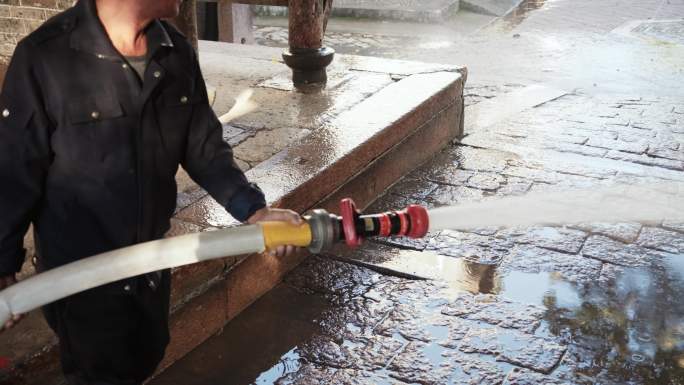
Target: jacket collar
90	35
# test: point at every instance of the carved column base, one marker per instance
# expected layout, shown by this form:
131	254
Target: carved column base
308	65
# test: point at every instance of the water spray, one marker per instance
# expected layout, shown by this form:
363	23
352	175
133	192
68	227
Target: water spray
319	232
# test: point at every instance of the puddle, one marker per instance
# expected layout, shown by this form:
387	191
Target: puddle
633	328
623	329
461	274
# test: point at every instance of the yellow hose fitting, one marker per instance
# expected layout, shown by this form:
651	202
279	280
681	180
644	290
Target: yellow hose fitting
283	233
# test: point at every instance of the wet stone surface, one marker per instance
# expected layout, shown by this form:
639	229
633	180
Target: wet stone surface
553	238
478	245
591	303
608	250
578	304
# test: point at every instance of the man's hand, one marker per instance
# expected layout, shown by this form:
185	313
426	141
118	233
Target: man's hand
278	215
6	282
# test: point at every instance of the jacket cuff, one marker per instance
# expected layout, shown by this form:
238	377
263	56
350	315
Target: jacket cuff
11	262
246	202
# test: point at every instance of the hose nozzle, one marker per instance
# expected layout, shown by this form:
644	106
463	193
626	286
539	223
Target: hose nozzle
323	230
412	222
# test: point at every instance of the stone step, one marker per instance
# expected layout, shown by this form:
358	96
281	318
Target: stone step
412	10
355	139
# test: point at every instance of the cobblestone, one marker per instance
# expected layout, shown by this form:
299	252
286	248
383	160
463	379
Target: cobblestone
571	268
679	227
647	160
485	182
475	247
660	239
445	195
608	250
496	311
633	146
553	238
623	232
524	350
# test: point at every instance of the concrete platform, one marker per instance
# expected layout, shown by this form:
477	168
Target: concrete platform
377	120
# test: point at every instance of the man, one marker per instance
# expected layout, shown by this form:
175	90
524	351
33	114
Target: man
100	106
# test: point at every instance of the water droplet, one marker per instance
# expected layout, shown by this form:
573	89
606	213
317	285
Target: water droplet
638	358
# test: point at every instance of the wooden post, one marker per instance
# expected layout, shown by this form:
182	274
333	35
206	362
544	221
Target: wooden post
186	21
307	56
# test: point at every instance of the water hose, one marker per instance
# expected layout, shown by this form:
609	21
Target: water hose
319	232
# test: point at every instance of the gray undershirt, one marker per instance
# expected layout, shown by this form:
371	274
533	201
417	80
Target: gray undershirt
139	64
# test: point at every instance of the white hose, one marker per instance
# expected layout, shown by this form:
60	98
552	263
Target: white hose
113	266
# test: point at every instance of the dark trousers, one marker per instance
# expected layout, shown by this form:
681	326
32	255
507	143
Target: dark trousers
108	338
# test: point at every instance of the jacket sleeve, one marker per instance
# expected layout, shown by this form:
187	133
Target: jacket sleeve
209	160
24	155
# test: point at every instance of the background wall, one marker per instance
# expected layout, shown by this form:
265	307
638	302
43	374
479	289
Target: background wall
20	17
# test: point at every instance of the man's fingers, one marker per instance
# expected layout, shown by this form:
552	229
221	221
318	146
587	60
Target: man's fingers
285	251
286	216
296	219
289	250
12	322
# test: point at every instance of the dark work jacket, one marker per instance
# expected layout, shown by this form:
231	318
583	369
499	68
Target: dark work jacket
88	154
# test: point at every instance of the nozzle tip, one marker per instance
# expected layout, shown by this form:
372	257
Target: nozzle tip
420	221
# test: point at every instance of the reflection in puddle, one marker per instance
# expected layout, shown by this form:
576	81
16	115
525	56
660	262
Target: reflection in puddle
534	287
289	363
626	328
462	274
630	330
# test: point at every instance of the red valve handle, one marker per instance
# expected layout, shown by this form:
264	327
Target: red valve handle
349	214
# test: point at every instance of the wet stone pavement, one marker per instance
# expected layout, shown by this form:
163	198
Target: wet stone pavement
595	303
585	304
